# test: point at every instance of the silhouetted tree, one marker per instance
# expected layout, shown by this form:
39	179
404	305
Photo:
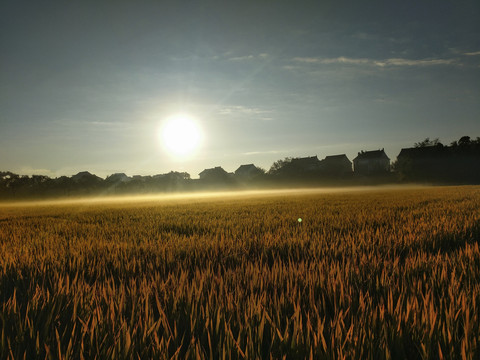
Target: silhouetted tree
278	165
430	161
19	184
428	142
63	185
464	141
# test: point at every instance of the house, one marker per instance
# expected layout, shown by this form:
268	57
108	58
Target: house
424	163
214	174
118	178
336	165
305	164
371	163
458	163
248	172
423	153
85	177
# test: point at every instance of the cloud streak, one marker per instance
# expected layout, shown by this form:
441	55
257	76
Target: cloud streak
248	111
392	62
261	56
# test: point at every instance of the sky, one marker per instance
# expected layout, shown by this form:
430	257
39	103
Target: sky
88	85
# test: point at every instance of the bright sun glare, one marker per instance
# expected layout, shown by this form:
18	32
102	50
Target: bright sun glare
181	135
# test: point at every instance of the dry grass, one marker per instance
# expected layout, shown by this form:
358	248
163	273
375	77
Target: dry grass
377	274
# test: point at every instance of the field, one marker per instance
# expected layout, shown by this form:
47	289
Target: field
372	274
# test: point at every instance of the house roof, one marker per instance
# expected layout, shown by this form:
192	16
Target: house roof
425	151
305	161
216	169
336	158
247	168
118	177
370	155
308	158
85	175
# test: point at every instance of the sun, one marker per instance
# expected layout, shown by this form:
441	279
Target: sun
181	135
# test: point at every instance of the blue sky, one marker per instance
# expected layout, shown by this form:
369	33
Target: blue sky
86	85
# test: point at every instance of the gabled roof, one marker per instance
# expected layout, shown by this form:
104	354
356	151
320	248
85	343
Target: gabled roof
216	169
85	175
424	151
118	177
247	169
310	161
370	155
306	159
336	158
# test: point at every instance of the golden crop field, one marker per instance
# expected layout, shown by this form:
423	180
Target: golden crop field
377	274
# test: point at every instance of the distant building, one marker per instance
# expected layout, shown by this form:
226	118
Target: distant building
336	165
214	174
248	172
86	177
458	163
424	153
371	163
305	164
424	163
118	178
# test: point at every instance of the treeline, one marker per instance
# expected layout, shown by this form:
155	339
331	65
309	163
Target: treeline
14	186
429	161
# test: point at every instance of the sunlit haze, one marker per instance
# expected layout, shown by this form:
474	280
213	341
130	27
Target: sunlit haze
200	196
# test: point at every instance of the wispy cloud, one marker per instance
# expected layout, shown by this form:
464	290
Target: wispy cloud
410	62
228	55
338	60
242	58
371	62
262	114
475	53
249	57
